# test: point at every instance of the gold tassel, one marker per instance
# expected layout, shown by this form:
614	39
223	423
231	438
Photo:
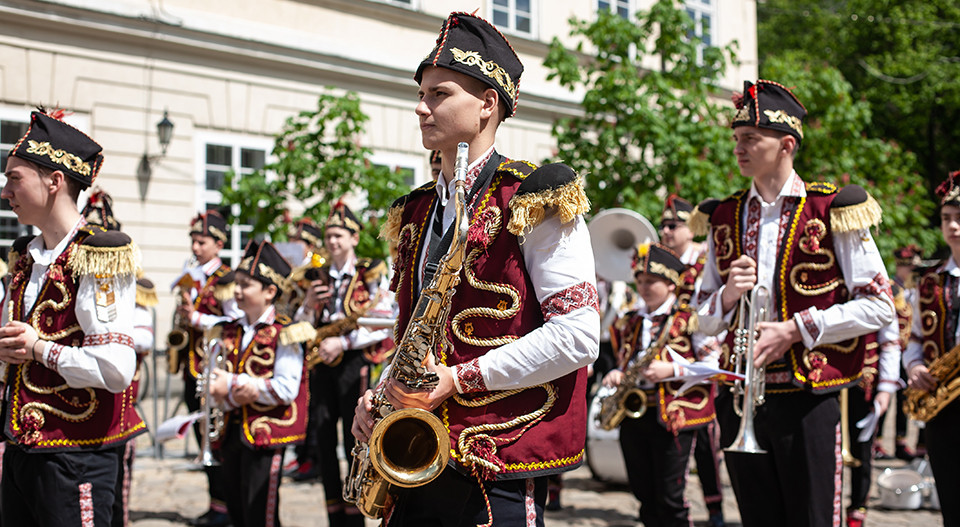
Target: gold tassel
699	222
146	297
856	217
391	229
3	269
12	258
223	292
528	210
297	333
105	261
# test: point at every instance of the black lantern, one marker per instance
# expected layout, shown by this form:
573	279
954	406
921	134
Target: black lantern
164	133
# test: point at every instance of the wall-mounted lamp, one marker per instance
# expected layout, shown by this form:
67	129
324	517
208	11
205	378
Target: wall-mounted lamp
145	169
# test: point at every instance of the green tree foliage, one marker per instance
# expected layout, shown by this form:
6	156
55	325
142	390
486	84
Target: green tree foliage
644	130
318	159
902	57
836	148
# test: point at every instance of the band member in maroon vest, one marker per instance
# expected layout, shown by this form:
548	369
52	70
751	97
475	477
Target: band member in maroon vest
351	287
934	334
657	445
66	348
524	322
206	299
810	246
262	389
675	234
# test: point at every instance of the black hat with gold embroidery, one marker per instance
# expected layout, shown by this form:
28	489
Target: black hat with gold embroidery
658	260
435	157
307	230
210	223
911	256
341	216
470	45
262	261
52	143
949	190
676	209
99	210
768	104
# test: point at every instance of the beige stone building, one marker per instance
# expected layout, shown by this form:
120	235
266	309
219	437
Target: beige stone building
229	72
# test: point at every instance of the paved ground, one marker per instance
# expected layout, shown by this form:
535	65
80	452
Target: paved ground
167	492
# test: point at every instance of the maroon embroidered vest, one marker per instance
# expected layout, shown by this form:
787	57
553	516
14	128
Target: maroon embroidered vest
937	337
806	275
264	426
693	409
494	305
357	301
207	304
689	279
42	411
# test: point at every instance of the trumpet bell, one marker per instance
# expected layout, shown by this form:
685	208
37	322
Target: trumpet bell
409	447
615	234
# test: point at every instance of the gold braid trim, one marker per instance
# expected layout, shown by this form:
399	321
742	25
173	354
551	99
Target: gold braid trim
297	333
263	422
528	210
699	222
146	297
856	217
223	292
105	261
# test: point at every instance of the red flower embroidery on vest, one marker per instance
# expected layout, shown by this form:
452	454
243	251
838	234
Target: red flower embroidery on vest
55	273
814	231
31	421
570	299
480	232
470	378
265	335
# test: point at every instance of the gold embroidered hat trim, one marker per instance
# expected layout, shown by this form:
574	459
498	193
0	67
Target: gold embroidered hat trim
489	68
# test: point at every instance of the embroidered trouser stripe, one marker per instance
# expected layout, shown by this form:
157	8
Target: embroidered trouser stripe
274	487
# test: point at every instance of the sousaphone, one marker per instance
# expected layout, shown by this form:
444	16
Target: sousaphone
615	234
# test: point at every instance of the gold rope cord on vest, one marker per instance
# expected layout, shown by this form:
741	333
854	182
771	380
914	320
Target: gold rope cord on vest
264	422
55	306
90	406
814	232
467	439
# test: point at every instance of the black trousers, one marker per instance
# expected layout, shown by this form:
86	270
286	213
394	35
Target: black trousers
121	504
657	462
797	482
339	388
218	498
942	433
61	489
309	450
456	500
707	457
251	479
860	476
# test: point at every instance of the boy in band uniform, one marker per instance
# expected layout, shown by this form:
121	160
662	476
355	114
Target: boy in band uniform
932	337
354	287
809	244
657	445
525	314
675	234
206	298
67	328
262	389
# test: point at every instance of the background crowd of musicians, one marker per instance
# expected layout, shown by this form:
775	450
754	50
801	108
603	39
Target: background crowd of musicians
278	347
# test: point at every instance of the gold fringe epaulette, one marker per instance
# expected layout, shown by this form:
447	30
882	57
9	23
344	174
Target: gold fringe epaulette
856	217
215	332
390	231
297	333
528	210
699	222
105	261
146	296
223	292
375	272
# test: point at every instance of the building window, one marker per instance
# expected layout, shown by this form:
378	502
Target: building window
243	157
411	166
701	12
412	4
11	131
514	16
620	7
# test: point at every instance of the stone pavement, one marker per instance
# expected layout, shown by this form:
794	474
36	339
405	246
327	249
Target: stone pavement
167	492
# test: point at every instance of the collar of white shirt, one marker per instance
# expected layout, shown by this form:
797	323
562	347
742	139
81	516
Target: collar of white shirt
664	308
268	317
793	186
444	192
44	257
212	265
349	268
950	267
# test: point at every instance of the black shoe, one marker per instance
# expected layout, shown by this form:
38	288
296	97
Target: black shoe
716	520
310	474
212	518
904	453
554	505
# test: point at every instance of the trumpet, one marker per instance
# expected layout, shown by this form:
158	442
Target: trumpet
212	422
749	392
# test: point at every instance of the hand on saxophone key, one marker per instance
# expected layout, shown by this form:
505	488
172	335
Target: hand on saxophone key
363	417
918	378
185	307
774	341
740	280
400	396
612	379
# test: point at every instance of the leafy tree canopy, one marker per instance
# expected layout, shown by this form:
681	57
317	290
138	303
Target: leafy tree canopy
318	160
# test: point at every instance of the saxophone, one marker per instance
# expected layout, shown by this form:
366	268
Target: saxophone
924	406
629	400
410	447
